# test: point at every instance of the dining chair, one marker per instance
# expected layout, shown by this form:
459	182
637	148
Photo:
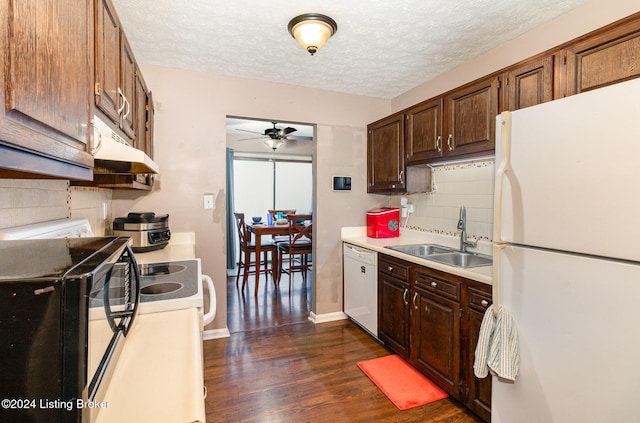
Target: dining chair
247	248
298	247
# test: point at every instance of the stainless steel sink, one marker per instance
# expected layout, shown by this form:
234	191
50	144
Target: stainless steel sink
460	259
444	255
421	250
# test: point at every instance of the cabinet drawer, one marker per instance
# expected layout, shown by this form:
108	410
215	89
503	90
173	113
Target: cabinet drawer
396	268
479	300
446	288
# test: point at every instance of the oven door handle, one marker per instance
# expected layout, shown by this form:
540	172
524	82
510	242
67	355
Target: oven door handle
110	315
211	314
134	290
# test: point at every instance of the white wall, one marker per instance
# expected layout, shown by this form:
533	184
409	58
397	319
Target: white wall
190	142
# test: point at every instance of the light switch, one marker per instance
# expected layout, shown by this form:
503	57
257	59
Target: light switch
208	201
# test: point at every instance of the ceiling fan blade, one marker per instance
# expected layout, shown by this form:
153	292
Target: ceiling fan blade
254	138
246	130
288	130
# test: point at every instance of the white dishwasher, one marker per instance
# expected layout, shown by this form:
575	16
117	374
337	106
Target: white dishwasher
360	270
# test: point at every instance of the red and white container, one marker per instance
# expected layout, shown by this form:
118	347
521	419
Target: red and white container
383	223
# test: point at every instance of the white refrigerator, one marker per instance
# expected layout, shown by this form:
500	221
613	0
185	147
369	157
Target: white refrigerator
567	257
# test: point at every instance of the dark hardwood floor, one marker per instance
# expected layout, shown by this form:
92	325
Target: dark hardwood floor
272	307
277	366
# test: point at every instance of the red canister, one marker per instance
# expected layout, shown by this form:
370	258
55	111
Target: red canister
383	223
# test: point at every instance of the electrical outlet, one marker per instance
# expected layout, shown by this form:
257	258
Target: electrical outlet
208	201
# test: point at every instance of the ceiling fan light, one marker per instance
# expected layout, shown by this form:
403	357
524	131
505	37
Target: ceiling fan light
312	30
274	144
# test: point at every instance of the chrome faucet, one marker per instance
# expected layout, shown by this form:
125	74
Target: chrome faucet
462	225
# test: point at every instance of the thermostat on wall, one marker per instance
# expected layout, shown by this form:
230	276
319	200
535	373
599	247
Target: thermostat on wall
342	183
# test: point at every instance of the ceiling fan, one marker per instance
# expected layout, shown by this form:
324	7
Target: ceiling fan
275	137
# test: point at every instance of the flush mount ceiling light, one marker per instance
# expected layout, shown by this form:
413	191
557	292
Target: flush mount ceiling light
312	30
274	143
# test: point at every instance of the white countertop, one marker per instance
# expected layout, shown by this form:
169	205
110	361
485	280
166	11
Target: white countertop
159	375
182	246
358	236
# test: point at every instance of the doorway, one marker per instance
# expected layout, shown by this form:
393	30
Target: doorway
270	166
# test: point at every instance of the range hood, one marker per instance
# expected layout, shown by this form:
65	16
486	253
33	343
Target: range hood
114	155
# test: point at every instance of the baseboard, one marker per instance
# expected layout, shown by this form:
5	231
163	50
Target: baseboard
215	334
327	317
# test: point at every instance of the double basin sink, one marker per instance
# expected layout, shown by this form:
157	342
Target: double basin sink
444	255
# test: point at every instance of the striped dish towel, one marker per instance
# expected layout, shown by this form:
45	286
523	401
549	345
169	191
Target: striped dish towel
497	350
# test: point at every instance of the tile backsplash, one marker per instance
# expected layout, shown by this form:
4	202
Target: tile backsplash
28	201
93	204
455	185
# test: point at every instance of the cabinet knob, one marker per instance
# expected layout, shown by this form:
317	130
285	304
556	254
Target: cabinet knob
404	296
433	284
439	144
390	268
450	143
484	303
415	295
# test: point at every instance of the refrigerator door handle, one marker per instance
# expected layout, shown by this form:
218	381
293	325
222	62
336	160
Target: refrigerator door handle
504	123
495	281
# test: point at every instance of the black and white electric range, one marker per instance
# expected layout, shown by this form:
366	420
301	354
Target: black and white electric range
164	286
172	285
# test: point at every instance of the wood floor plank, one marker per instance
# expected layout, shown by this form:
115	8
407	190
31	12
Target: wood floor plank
277	366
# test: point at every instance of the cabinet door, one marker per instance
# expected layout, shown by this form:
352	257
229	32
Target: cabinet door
529	84
470	118
107	58
424	132
604	58
435	339
479	390
128	88
385	155
393	317
143	122
45	80
140	102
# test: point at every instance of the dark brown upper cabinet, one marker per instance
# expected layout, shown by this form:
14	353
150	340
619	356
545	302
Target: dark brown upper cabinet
45	123
461	123
424	132
115	68
529	83
107	59
385	155
470	118
604	57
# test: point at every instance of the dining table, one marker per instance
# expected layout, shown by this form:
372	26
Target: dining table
272	229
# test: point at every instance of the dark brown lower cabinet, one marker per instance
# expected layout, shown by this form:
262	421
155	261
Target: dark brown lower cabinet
393	305
432	319
477	391
435	328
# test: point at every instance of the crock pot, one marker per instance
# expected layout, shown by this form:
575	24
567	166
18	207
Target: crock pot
147	231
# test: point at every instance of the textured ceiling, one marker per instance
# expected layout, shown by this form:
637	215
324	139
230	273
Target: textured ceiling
382	47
